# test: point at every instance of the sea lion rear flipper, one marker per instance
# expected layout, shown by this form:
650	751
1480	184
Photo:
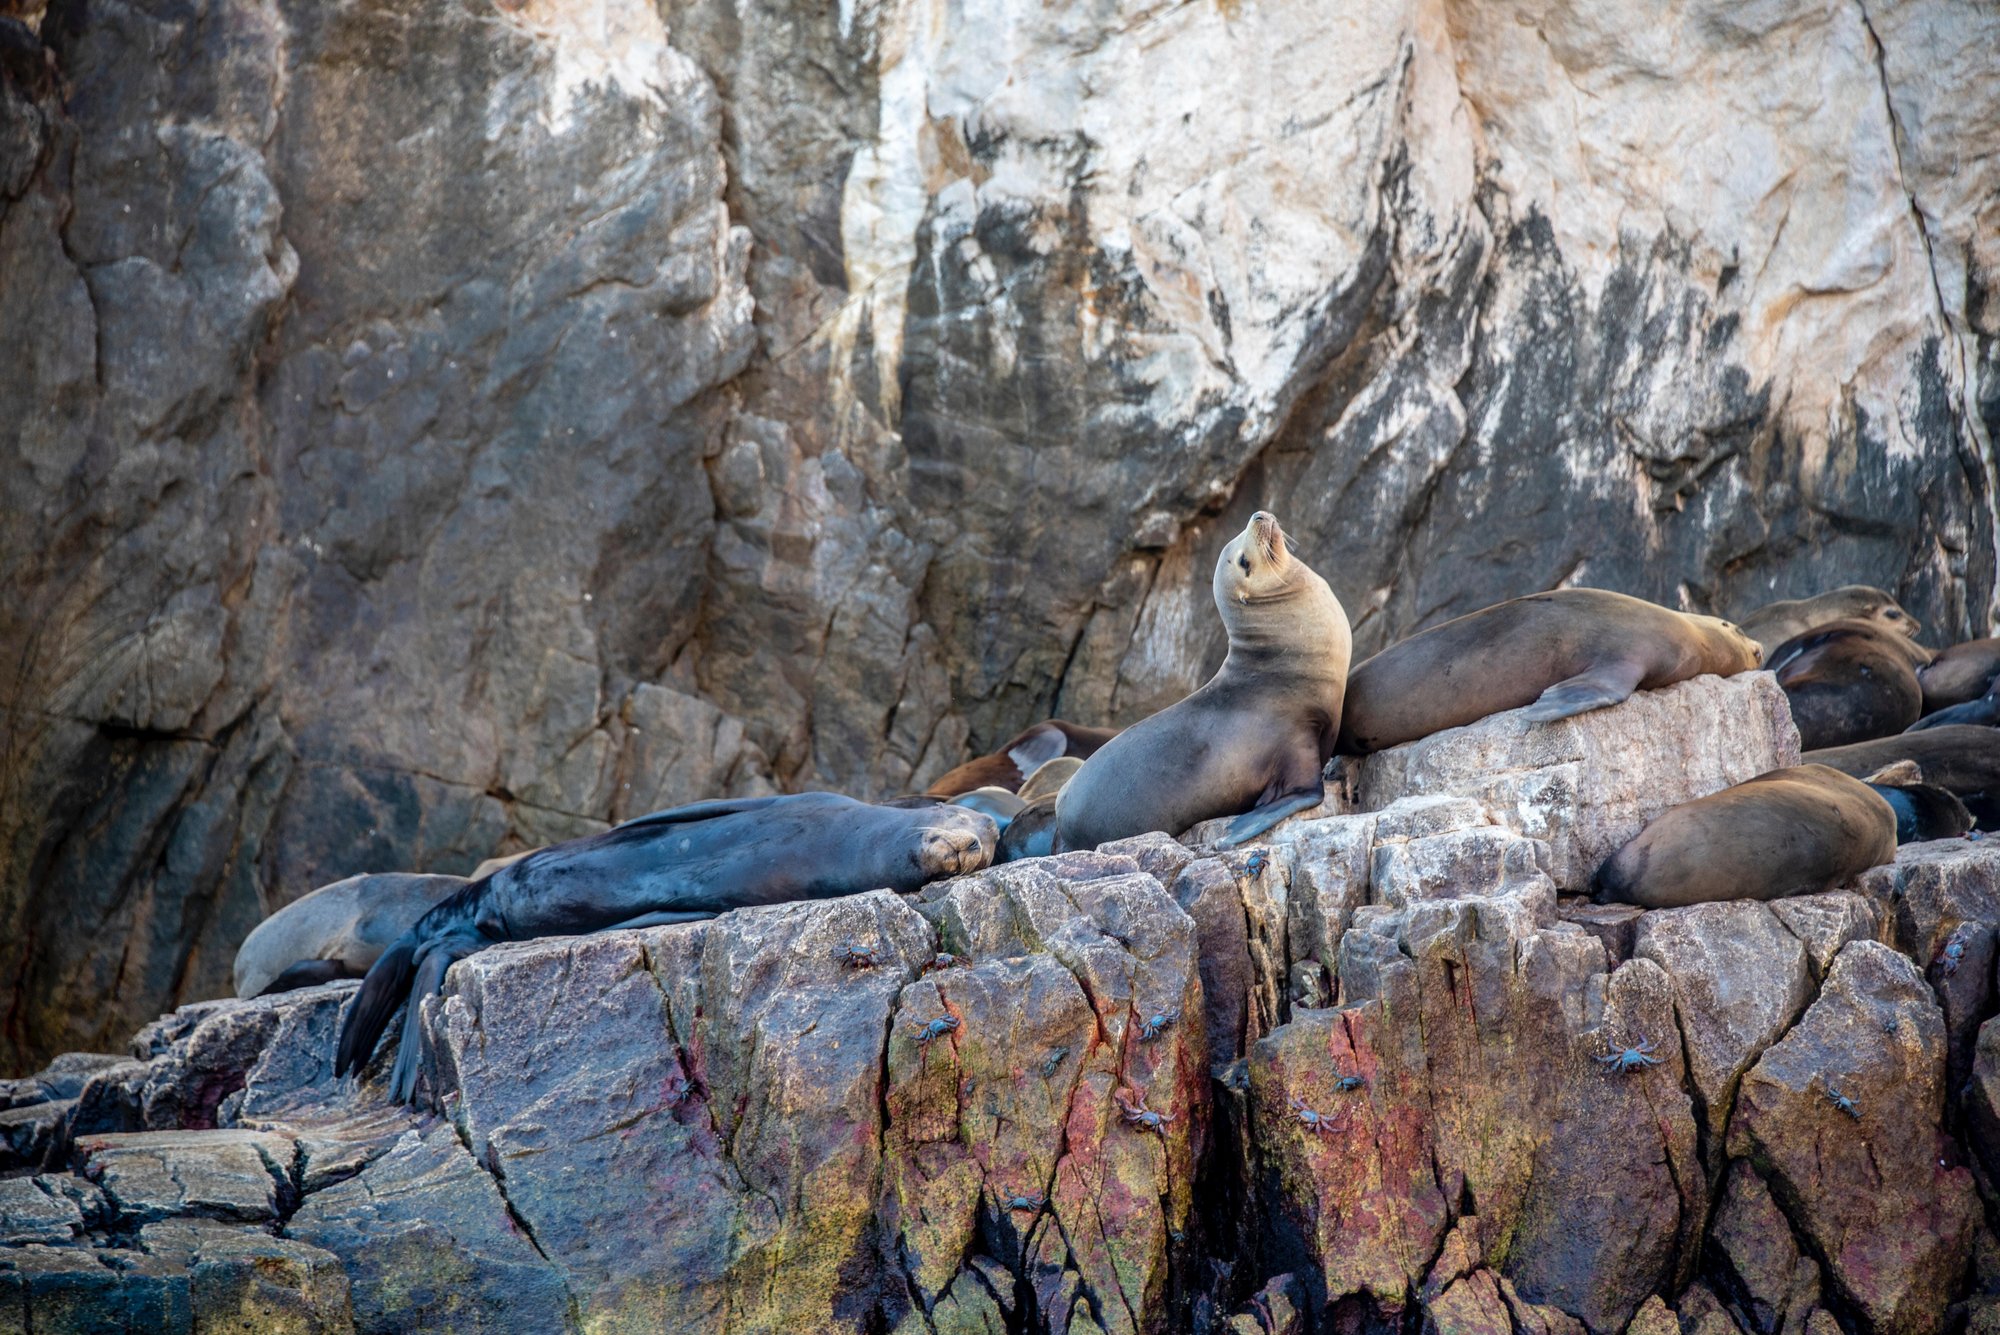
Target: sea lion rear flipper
1037	747
307	973
1605	684
1259	819
384	988
437	957
721	806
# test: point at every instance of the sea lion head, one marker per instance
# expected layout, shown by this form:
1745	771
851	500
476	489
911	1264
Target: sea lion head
1726	649
1272	602
1862	602
954	840
1257	565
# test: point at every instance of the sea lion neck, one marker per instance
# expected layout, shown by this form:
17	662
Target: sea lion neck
1301	629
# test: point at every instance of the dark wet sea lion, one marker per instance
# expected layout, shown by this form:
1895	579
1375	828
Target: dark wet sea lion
1960	674
1848	681
1774	623
1049	778
336	931
1787	832
673	866
998	803
1961	759
1031	834
1982	712
1557	654
1923	811
1023	753
1250	742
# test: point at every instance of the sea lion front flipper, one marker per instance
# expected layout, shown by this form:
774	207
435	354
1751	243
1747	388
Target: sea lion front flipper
662	918
307	973
1259	819
1605	684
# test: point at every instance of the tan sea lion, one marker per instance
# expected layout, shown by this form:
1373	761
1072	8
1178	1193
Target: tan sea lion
1558	654
336	931
1960	674
999	803
1774	623
1022	755
1848	681
1048	779
1791	831
1250	742
1962	759
680	865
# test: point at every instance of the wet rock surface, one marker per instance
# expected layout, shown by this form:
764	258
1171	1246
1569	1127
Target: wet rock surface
431	433
1373	1073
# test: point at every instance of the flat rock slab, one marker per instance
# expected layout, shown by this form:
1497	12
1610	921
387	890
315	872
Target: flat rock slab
1587	785
152	1175
52	1210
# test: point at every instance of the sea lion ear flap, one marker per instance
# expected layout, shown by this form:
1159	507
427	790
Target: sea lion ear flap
1897	774
1037	747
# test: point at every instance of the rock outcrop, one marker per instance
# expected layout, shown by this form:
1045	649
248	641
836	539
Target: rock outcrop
430	432
1375	1072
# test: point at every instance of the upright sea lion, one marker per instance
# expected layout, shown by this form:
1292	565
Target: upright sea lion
1960	674
1961	759
336	931
1048	779
1774	623
1786	832
1022	755
1848	681
1249	743
672	866
1558	653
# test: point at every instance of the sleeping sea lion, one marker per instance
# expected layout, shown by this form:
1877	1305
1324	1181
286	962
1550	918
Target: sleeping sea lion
1961	759
1774	623
680	865
1787	832
1848	681
1923	811
336	931
1252	741
1048	780
1022	755
1960	674
1558	653
1983	712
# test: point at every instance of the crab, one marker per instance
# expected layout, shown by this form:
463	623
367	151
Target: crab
1620	1061
1256	862
1842	1102
1029	1203
944	959
938	1028
1139	1115
857	957
1154	1023
1347	1084
1953	953
677	1090
1316	1123
1055	1059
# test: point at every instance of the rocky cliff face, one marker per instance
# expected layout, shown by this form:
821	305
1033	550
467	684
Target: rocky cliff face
1402	1081
433	431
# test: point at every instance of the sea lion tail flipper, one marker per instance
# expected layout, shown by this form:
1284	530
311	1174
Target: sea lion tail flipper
1605	684
306	973
382	990
1259	819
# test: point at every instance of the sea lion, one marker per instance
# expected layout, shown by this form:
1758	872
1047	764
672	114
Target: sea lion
336	931
1960	674
1048	779
491	865
1923	811
999	803
1252	741
1774	623
1983	712
1559	654
1022	755
1786	832
1031	834
680	865
1961	759
1848	681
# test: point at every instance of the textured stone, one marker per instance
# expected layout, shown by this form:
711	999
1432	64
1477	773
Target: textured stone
151	1175
50	1210
1588	784
1897	1250
244	1280
1775	1283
